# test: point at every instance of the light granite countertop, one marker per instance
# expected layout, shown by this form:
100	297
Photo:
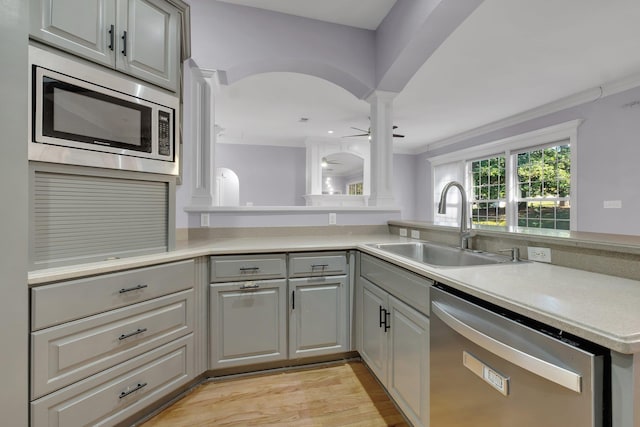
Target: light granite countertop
603	309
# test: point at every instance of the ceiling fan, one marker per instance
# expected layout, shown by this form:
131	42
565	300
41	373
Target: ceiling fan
368	133
325	162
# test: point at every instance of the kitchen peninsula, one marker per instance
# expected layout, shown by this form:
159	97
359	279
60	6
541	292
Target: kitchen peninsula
596	307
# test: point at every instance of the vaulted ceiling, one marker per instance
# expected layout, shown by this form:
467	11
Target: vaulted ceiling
508	57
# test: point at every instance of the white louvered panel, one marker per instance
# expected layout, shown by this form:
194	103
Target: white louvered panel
84	218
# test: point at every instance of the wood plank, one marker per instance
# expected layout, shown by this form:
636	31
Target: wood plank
344	394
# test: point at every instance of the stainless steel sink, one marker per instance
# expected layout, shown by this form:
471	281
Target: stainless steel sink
440	255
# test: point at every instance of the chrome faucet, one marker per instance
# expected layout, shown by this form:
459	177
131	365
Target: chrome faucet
465	224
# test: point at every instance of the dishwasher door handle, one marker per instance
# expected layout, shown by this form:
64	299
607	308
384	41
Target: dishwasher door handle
542	368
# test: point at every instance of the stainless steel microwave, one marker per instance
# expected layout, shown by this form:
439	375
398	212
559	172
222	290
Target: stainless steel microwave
87	115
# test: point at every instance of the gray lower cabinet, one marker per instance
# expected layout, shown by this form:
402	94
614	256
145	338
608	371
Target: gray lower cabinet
138	37
393	336
248	322
115	394
257	315
318	318
104	348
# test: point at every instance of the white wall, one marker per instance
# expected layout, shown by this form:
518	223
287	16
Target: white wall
406	184
14	306
240	41
269	176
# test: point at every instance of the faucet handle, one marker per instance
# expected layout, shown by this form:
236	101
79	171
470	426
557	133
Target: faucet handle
515	253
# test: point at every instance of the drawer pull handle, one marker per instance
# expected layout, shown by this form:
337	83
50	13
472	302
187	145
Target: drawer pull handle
133	390
322	266
249	269
132	334
135	288
250	285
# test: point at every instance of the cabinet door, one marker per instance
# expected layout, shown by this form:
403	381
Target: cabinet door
374	336
83	27
248	322
408	381
318	316
149	41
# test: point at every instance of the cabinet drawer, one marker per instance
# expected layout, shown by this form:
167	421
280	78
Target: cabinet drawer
66	301
117	393
64	354
409	287
317	264
247	267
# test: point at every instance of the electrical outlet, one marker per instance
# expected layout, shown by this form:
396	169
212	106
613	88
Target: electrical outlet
539	254
415	234
612	204
332	218
403	232
204	220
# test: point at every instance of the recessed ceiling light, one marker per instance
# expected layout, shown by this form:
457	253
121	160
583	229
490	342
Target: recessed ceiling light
330	131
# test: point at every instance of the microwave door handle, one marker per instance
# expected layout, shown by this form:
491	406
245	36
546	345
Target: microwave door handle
542	368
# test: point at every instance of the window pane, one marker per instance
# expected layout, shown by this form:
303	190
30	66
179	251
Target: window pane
563	210
493	192
488	184
545	174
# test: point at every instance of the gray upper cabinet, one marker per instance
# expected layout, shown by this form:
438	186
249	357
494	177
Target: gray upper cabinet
78	26
138	37
150	32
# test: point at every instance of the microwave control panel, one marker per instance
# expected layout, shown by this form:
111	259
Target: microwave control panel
164	133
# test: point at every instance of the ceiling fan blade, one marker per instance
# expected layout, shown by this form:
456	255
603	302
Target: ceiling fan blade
361	130
350	136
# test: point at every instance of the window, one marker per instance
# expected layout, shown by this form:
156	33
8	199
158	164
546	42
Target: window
522	181
354	189
489	197
544	187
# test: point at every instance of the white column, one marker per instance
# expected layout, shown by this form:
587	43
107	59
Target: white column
314	169
381	148
204	84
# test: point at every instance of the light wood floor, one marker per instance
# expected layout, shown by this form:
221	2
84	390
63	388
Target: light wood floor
335	395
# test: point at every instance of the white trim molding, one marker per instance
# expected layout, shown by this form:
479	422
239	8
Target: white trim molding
204	85
561	131
586	96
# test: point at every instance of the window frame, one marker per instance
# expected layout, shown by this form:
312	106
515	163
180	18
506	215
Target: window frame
559	134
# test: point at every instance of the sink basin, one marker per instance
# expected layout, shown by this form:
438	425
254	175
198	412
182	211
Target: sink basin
440	255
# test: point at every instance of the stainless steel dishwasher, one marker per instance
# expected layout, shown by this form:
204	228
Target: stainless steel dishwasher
492	368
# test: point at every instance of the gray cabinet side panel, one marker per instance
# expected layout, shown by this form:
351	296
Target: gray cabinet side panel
625	388
14	306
